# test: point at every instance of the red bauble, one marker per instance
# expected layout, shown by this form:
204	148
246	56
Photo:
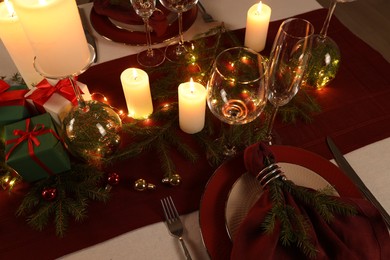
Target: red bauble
49	193
113	178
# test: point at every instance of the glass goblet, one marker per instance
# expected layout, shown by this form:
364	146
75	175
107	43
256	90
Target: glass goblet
149	57
287	63
236	89
179	52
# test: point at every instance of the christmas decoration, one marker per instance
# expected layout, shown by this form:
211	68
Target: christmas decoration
55	97
142	185
173	180
33	148
49	194
13	107
113	178
92	137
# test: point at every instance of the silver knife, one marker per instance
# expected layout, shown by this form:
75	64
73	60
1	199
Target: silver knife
350	172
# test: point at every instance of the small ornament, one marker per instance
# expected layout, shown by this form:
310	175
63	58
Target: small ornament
113	178
174	180
49	194
141	185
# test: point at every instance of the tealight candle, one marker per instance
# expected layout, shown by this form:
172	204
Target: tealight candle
257	22
192	107
135	84
17	44
56	35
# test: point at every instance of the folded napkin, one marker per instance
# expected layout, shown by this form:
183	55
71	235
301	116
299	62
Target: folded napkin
359	236
125	13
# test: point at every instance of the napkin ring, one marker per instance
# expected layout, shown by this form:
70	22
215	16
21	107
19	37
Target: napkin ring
270	173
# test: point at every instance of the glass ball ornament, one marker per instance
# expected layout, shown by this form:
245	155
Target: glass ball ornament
324	62
92	132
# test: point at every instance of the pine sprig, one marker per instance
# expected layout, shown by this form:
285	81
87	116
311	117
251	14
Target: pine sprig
74	191
294	225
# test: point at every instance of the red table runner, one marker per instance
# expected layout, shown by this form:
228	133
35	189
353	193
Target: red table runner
355	112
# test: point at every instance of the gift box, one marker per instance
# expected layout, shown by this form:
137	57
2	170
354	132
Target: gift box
33	148
55	97
13	106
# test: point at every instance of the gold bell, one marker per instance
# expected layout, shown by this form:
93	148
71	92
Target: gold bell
174	180
141	185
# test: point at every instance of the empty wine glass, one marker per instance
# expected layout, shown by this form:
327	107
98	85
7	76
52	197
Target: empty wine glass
287	63
236	89
179	52
149	57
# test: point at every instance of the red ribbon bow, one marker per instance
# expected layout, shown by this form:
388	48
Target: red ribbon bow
31	138
14	97
44	90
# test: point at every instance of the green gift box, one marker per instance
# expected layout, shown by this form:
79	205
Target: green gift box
33	148
13	110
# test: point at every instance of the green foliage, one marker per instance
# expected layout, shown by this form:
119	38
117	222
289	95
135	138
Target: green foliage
74	191
294	225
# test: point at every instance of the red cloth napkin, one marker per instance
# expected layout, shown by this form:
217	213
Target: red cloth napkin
126	14
362	236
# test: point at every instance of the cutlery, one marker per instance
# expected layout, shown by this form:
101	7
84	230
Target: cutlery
350	172
206	16
174	224
88	35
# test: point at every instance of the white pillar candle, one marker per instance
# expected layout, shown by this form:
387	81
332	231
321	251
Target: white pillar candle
257	22
192	107
56	35
135	84
17	44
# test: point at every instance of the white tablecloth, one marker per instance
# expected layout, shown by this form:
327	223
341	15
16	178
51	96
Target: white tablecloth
153	242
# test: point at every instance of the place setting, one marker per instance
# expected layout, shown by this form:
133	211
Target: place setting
199	122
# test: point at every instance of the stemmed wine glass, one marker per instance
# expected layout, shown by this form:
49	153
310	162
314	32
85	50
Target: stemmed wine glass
179	52
149	57
287	63
236	89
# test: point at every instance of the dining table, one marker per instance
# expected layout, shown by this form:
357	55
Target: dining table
355	112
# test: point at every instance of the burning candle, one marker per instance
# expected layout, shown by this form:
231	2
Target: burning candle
257	22
56	35
17	44
135	84
192	106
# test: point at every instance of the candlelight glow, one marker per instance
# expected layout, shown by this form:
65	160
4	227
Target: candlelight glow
42	2
10	8
135	74
259	7
192	86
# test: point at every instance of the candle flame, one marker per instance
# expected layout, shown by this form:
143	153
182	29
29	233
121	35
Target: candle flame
10	8
42	2
135	74
259	7
192	86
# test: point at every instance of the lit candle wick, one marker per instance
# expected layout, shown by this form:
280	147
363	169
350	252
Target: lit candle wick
192	87
259	7
10	8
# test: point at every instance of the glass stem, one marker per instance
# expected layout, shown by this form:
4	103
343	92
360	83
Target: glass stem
180	18
148	37
271	123
79	97
324	30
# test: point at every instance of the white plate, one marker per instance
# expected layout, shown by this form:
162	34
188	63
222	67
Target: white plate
246	191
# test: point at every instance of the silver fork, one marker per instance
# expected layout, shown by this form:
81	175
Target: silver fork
173	222
206	16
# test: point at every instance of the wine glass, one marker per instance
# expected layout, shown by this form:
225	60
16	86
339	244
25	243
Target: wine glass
287	63
236	89
179	51
149	57
325	54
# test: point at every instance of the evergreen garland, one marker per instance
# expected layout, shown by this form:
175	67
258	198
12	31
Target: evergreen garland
74	190
83	183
